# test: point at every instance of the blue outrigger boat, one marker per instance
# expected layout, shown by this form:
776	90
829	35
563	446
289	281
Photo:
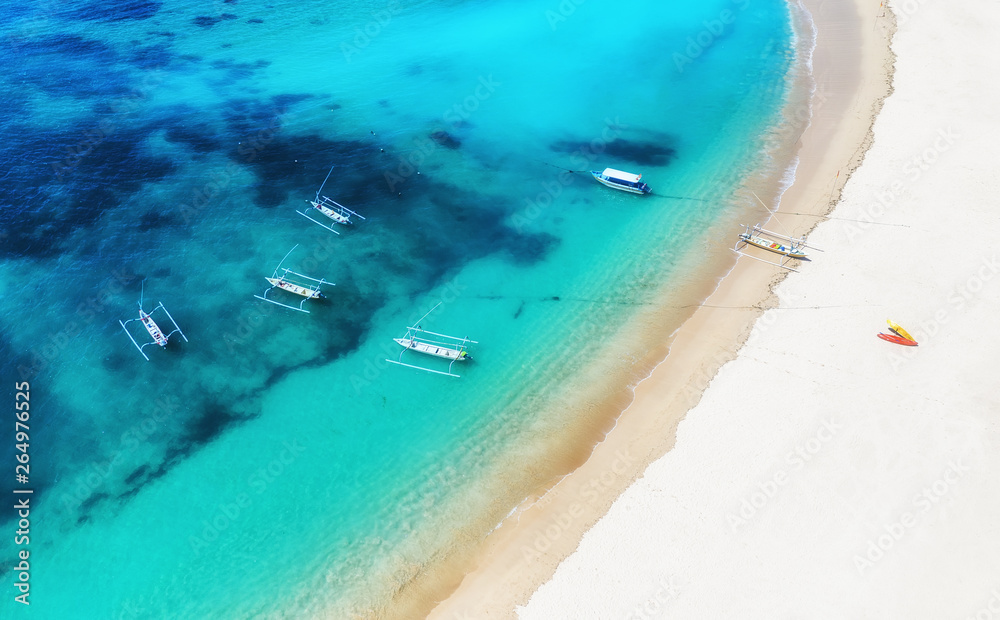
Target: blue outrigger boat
625	181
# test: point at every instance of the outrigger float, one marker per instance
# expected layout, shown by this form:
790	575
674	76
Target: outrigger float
309	291
624	181
154	330
452	348
330	208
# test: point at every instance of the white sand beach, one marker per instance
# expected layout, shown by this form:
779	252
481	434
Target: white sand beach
826	473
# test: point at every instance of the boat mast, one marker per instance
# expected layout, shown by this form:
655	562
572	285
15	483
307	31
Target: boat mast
425	316
275	274
324	181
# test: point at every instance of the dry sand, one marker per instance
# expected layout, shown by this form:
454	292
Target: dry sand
826	473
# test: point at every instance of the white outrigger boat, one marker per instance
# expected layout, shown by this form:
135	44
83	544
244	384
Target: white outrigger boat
452	348
755	237
308	291
789	247
154	330
330	208
625	181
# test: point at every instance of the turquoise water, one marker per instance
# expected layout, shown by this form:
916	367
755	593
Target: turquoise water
275	465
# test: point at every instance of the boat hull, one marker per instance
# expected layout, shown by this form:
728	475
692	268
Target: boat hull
308	293
330	213
772	246
642	188
153	329
897	340
899	330
432	350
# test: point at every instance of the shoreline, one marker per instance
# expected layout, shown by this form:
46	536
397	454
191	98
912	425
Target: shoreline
525	549
826	473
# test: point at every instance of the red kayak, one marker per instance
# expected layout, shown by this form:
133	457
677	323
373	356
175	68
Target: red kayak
898	339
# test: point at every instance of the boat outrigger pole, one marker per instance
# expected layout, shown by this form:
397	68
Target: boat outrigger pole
451	348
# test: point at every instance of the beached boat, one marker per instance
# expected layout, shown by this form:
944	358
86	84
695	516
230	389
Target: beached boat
899	330
790	247
625	181
331	209
154	330
305	286
418	340
898	339
753	237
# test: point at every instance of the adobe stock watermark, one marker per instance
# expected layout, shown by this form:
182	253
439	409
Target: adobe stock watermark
796	459
581	158
220	178
767	320
894	532
906	9
655	605
956	301
560	524
226	513
364	35
911	172
453	118
91	477
706	38
27	28
87	311
989	611
563	12
96	135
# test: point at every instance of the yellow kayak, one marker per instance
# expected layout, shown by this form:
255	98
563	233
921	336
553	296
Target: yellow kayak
899	330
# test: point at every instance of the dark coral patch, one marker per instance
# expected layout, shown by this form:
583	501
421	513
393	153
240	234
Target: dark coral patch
152	57
152	220
445	139
290	99
206	21
198	136
90	171
213	420
240	70
642	153
86	67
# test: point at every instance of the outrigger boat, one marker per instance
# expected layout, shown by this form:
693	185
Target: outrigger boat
154	330
452	348
330	208
789	247
309	291
755	237
625	181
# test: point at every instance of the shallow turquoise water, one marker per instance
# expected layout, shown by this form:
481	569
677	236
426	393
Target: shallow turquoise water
275	464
